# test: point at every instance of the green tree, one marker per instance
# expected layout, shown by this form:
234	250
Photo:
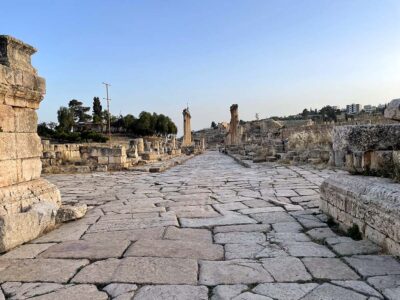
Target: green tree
328	113
97	111
80	112
65	119
305	113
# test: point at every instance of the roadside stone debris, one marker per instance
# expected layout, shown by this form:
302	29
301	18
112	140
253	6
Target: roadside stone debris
206	229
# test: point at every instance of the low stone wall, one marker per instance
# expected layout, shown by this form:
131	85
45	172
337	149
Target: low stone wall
83	157
370	202
368	149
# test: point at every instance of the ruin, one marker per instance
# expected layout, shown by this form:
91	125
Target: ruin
233	137
28	203
372	203
187	131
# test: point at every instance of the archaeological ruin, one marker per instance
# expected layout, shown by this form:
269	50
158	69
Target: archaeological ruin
28	203
263	209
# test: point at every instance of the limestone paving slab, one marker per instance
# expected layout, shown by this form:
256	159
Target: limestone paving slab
154	233
243	228
46	270
239	237
226	292
329	268
286	269
232	272
373	265
90	249
190	234
285	291
172	292
176	248
329	291
140	270
26	251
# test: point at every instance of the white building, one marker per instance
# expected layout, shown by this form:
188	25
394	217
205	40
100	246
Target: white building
353	109
369	108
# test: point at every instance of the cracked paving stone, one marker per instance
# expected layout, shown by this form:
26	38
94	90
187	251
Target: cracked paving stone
285	291
176	248
228	219
189	234
172	292
232	272
356	247
359	286
75	292
329	268
239	238
235	251
329	291
286	269
46	270
308	249
373	265
273	217
67	232
90	249
251	296
320	234
288	237
118	289
154	233
140	270
227	292
26	251
243	228
287	227
19	290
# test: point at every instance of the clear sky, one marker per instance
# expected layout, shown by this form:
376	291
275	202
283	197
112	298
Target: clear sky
270	57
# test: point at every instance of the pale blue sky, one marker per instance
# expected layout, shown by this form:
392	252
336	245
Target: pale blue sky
270	57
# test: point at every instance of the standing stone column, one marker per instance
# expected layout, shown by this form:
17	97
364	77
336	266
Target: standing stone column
28	204
187	131
234	124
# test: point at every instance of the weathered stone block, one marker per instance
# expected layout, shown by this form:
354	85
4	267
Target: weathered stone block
7	119
370	202
25	120
8	173
28	145
16	229
392	111
8	146
30	168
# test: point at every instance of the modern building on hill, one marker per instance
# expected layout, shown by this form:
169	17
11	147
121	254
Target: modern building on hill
353	109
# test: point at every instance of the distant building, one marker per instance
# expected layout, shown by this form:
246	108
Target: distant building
353	109
369	109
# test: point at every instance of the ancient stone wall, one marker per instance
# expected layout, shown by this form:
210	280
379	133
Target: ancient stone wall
28	204
373	149
371	203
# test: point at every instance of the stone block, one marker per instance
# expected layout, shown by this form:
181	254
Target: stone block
381	160
68	213
7	119
30	168
8	173
392	111
25	120
102	160
16	229
28	145
8	146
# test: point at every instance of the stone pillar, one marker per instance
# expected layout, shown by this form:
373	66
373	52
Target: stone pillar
234	124
187	130
140	145
27	203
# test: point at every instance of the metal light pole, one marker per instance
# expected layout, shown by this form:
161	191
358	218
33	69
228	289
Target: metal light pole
108	110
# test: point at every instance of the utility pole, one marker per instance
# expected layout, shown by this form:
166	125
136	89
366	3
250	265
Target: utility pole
108	111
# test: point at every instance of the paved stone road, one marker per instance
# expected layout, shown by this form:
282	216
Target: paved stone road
207	229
